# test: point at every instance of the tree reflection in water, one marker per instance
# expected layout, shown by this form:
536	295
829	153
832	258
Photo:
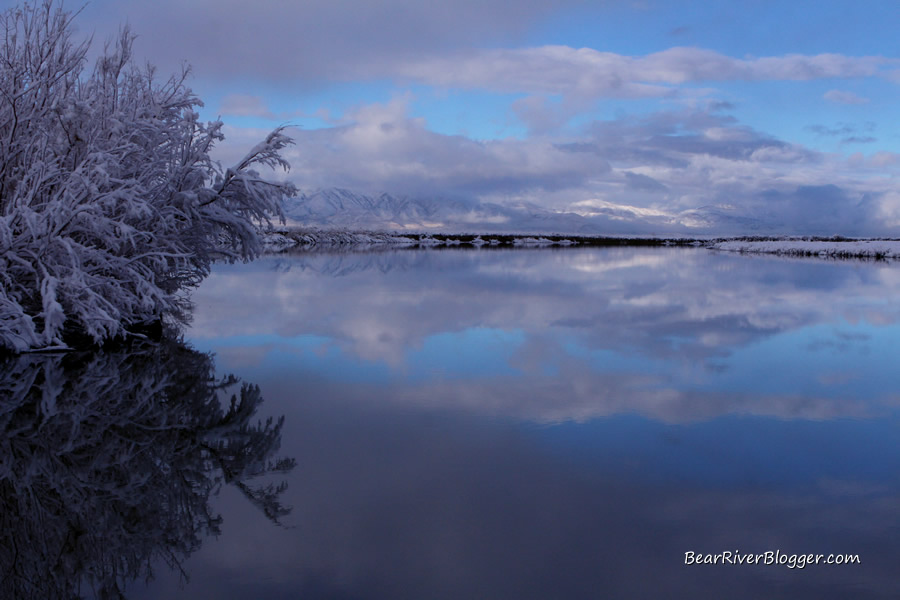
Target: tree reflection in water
108	461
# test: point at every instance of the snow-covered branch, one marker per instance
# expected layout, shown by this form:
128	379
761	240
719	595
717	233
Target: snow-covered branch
110	205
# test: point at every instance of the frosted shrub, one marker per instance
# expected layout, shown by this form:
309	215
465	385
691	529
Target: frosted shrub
110	206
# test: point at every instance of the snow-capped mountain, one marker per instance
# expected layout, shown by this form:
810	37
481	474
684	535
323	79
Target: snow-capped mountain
337	208
341	208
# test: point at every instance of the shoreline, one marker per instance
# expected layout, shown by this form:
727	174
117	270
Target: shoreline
835	247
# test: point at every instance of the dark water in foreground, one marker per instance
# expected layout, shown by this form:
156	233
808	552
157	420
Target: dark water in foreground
473	424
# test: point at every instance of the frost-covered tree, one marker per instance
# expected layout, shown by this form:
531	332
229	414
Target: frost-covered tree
110	205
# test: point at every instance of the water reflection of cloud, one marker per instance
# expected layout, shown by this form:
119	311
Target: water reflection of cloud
582	397
688	323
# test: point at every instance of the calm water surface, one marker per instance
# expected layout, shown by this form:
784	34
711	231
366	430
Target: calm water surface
522	424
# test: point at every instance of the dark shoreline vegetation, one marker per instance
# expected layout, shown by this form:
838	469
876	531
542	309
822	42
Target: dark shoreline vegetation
304	239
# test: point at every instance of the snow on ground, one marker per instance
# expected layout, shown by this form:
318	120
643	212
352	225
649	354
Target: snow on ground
823	248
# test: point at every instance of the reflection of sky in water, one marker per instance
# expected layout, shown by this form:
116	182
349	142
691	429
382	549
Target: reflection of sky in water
847	364
606	332
731	451
544	423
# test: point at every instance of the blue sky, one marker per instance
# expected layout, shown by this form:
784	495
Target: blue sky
759	110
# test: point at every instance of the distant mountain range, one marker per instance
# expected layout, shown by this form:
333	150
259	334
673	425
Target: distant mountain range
335	208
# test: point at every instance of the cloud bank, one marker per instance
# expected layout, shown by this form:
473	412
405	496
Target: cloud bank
585	72
686	158
691	170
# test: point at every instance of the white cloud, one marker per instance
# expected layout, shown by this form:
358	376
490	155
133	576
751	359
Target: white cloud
843	97
382	148
585	72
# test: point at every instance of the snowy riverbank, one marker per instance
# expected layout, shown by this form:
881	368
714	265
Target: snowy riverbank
312	239
878	249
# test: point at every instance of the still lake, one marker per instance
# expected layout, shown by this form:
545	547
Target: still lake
536	423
